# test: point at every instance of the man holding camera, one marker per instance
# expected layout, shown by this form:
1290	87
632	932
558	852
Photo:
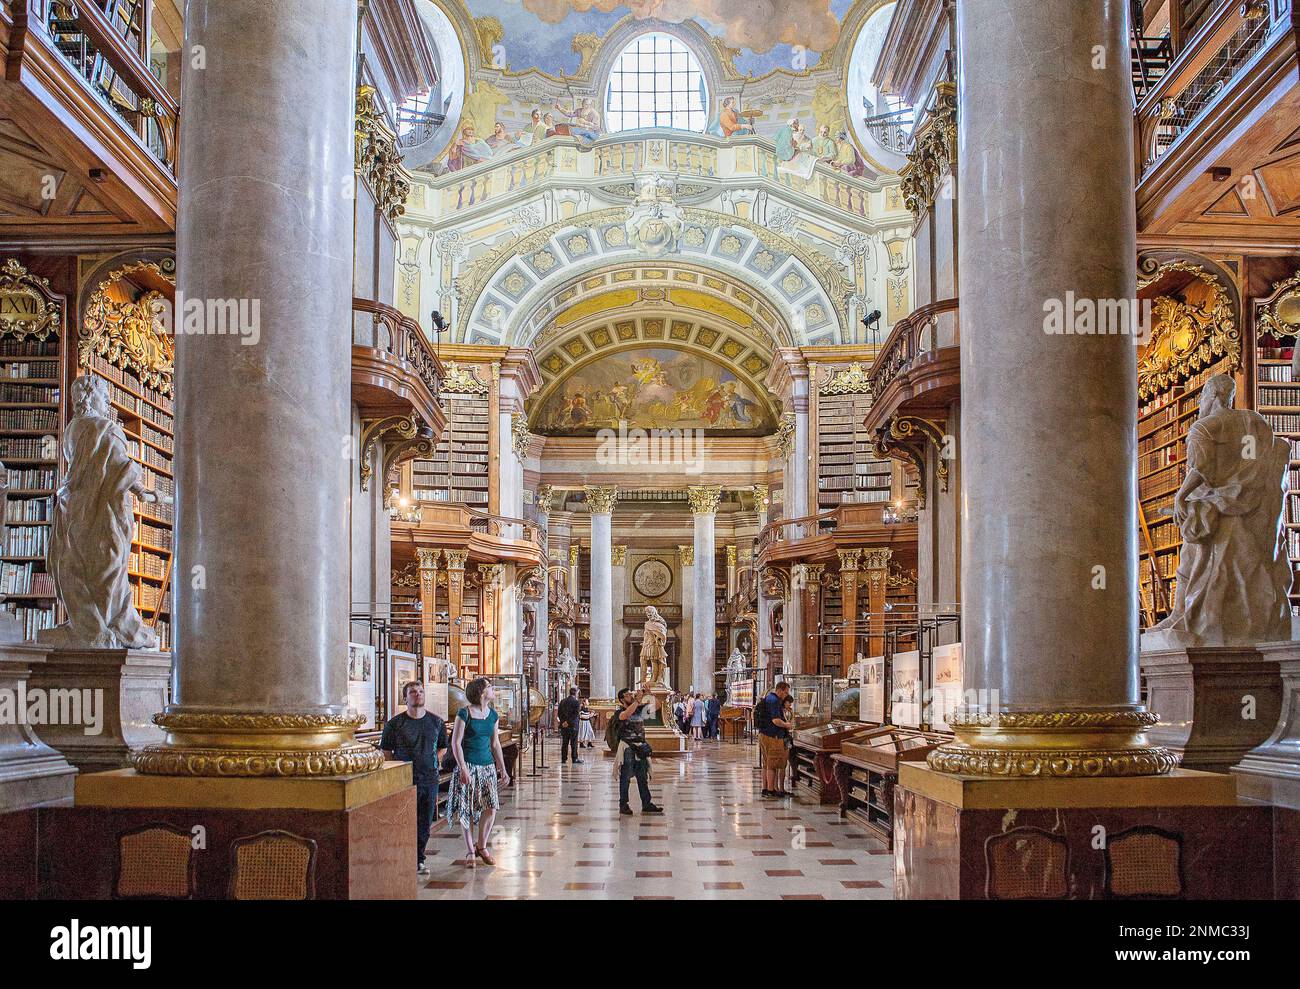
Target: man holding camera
633	753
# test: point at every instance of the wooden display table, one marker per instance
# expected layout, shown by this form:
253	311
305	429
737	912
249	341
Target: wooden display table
810	757
866	770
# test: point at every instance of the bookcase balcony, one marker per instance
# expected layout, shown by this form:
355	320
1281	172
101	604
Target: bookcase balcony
918	370
487	538
395	371
86	108
818	538
1219	116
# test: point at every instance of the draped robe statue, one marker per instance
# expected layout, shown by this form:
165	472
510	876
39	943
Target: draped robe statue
567	668
654	658
1234	573
90	541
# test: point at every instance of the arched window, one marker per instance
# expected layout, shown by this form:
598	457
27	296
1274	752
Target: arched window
656	82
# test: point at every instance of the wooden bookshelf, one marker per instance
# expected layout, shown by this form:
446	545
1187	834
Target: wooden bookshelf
122	345
32	335
1277	399
847	470
459	470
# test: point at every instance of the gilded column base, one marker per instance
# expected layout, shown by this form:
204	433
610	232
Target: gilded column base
283	745
1082	743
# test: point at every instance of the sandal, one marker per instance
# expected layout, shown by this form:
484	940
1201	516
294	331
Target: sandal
483	854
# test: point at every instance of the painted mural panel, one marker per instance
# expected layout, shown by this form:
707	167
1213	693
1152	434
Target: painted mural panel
652	388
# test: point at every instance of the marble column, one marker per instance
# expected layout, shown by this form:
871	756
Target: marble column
685	644
731	571
575	576
262	569
618	601
874	582
704	621
1049	554
601	502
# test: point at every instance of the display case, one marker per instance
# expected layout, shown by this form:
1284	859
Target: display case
810	757
866	771
512	705
812	695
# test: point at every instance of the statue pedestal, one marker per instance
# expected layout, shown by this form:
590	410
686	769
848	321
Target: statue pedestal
127	688
661	730
32	774
1271	772
1215	703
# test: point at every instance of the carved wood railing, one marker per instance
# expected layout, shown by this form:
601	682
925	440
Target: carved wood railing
86	38
1202	72
504	527
800	528
399	336
907	341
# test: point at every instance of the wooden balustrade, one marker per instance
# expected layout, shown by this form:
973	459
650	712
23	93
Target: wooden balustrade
82	34
906	342
504	527
401	337
1201	72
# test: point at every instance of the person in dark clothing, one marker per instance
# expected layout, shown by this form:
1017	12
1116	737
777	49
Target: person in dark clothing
712	711
569	714
419	737
633	754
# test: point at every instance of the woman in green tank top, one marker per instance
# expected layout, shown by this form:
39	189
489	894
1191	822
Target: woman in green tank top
480	766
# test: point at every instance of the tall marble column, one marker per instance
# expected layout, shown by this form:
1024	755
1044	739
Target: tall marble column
848	608
1049	555
731	571
618	631
601	499
266	217
685	647
455	603
704	618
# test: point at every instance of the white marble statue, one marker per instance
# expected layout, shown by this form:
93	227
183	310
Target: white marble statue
90	541
11	629
654	658
567	667
855	671
735	666
1233	574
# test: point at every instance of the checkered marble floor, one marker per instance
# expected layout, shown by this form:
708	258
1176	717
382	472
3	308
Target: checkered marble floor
560	836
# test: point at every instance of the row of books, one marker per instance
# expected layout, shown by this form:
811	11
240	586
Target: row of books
155	481
147	596
1163	435
31	479
1274	373
29	448
119	376
30	369
154	535
29	393
1161	458
22	578
1293	543
1283	422
45	419
29	347
29	510
33	619
1275	353
26	540
149	564
156	436
1280	396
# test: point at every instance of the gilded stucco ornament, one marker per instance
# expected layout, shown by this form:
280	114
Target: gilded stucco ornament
463	380
378	156
934	151
1186	337
27	308
851	380
127	334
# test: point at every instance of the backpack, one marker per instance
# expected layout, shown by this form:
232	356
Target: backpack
762	716
611	733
